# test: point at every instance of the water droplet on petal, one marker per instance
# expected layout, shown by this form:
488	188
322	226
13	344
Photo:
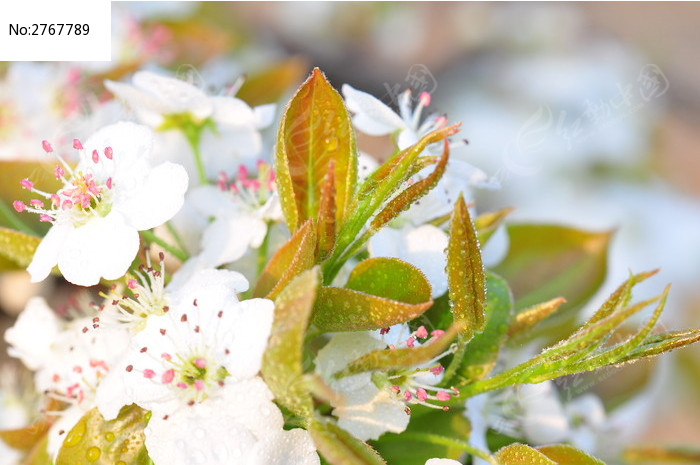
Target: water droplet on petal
93	453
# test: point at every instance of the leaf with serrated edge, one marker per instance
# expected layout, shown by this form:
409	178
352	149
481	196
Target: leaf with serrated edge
379	276
465	272
18	247
338	447
314	130
282	362
401	358
295	256
108	442
520	454
339	309
567	455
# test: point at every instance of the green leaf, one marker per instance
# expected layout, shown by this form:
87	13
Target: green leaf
282	362
465	273
663	342
272	83
529	317
405	450
371	299
646	454
520	454
380	276
315	130
338	447
339	309
295	256
545	261
567	455
96	441
385	359
39	454
482	352
17	247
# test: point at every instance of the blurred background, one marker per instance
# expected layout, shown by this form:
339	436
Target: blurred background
587	114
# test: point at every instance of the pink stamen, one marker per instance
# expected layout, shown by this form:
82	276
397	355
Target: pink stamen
396	389
95	156
200	363
166	356
45	218
109	153
148	373
199	385
26	184
46	146
407	396
36	203
168	376
19	206
58	172
77	369
55	200
440	121
109	183
182	385
67	205
77	145
242	172
437	333
437	370
132	284
455	390
421	394
424	99
442	396
421	332
410	342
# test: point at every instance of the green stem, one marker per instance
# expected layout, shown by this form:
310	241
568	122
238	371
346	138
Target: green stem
193	138
172	250
445	441
262	251
14	221
176	235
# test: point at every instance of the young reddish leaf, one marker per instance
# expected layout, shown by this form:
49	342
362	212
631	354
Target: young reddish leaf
339	309
273	82
339	447
412	193
17	247
96	441
544	261
314	130
26	438
487	223
401	358
530	316
282	362
465	272
295	256
380	276
326	214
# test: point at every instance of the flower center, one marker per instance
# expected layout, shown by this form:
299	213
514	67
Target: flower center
252	191
82	196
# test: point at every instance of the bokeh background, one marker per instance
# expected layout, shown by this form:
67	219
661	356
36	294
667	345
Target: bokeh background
587	114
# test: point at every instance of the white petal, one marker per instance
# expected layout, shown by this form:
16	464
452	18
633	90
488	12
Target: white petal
174	95
406	138
366	164
211	201
32	334
265	115
211	287
442	462
231	111
227	149
130	143
250	401
371	115
253	322
342	349
103	247
384	413
157	199
46	254
148	108
227	239
294	447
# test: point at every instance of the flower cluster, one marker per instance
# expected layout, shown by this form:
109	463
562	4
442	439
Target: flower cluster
292	301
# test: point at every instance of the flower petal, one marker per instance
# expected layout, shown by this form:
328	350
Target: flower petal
32	334
253	322
173	95
294	447
101	248
157	198
46	254
227	239
371	115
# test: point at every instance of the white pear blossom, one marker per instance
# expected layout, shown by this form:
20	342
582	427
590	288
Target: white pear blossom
373	403
226	129
442	462
195	366
69	359
111	194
